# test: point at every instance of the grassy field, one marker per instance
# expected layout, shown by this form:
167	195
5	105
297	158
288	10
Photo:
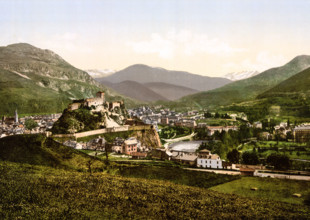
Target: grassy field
40	178
32	191
292	149
272	189
175	175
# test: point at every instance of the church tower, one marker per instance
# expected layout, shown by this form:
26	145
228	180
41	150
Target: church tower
16	117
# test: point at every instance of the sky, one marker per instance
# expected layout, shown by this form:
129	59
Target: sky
207	37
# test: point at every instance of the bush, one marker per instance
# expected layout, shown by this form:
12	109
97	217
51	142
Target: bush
250	158
279	161
233	156
30	124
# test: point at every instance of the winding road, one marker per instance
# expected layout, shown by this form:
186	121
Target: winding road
170	141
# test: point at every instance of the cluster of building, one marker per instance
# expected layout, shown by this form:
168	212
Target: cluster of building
162	116
130	146
15	125
172	118
186	153
299	133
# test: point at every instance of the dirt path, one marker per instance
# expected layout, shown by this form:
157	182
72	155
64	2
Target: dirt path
228	172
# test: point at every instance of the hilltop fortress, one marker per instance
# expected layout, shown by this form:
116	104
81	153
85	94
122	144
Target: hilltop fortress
91	114
97	103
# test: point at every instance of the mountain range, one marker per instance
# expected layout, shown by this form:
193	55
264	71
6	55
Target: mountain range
247	89
33	80
169	85
145	74
149	92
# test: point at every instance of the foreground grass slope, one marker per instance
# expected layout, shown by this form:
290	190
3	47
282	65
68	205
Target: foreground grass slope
40	150
176	175
30	191
273	189
40	178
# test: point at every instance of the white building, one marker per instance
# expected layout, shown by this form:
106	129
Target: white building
207	160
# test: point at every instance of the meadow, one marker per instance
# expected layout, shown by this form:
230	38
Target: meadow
40	178
33	191
267	188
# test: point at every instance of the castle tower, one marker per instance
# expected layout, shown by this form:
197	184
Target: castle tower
100	95
16	117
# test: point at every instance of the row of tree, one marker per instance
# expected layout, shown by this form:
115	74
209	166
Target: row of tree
216	115
278	161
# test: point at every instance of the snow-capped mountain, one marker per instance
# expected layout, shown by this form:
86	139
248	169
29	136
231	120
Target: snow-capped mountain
240	75
100	73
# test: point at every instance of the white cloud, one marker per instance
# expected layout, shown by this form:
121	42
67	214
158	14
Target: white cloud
183	43
157	44
70	42
263	61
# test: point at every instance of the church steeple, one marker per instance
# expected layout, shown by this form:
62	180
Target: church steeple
16	117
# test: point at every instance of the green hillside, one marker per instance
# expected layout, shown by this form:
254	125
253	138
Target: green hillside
33	80
292	95
42	179
299	83
39	150
246	89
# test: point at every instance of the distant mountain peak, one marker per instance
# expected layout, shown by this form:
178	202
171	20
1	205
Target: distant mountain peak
98	73
234	76
146	74
21	45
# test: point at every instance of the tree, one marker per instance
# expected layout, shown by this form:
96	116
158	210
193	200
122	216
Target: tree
207	115
233	156
279	161
250	158
30	124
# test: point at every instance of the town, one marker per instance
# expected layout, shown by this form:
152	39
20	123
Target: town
193	138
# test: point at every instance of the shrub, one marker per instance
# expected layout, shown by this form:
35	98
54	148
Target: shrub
250	158
279	161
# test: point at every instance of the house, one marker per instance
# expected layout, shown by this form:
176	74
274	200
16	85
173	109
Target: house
130	145
302	133
202	125
118	141
186	123
207	160
138	155
187	158
97	144
265	136
258	124
158	153
117	149
164	121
